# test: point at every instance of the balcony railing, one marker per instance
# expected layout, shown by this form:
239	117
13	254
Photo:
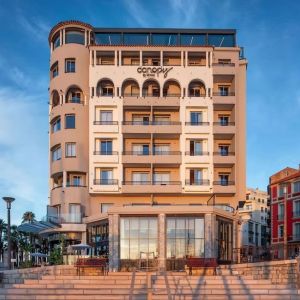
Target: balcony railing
191	95
220	153
65	218
177	95
105	181
75	100
223	94
220	123
196	153
146	123
72	184
105	122
160	182
151	153
131	94
105	153
223	183
197	182
197	123
219	64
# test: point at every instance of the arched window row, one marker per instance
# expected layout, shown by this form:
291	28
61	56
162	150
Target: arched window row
150	88
73	94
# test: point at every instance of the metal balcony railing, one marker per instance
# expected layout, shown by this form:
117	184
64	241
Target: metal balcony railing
131	94
220	153
105	122
142	153
75	100
105	153
105	181
223	183
197	182
296	214
219	64
146	123
160	182
223	94
197	123
65	218
196	153
224	123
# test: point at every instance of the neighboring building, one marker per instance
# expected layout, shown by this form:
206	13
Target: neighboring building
255	219
284	190
147	132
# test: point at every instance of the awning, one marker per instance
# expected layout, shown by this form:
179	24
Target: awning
37	226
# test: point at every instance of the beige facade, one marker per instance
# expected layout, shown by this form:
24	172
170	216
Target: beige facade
144	124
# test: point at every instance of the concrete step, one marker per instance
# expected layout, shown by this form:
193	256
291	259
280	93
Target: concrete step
73	297
226	297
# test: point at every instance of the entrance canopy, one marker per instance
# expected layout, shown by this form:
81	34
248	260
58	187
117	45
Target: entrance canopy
36	226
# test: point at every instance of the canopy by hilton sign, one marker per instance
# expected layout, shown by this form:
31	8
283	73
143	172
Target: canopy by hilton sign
152	71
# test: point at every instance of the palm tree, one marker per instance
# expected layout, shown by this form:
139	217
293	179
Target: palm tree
28	217
2	233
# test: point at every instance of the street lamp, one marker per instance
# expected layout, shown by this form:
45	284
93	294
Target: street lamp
8	201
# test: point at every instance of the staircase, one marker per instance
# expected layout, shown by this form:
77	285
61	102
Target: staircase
155	286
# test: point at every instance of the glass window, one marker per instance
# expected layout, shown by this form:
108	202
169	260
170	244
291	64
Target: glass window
296	233
161	178
281	190
106	177
196	117
192	39
56	125
223	90
106	147
224	179
185	237
56	153
221	40
70	121
140	149
224	150
70	149
106	116
196	148
75	215
224	120
138	237
136	39
105	207
280	211
164	39
161	149
108	38
195	176
76	37
54	70
296	187
140	178
296	208
56	41
280	231
70	65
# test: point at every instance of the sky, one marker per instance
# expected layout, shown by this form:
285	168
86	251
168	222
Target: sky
269	30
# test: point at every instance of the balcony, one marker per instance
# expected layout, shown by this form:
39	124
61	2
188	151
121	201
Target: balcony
141	187
224	98
105	127
163	157
224	187
197	127
224	158
226	128
223	68
105	185
196	157
136	100
106	156
75	192
65	218
196	186
151	127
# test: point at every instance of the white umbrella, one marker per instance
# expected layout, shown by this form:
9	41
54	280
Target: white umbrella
81	247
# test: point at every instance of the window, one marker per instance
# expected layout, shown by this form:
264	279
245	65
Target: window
74	95
195	177
262	200
105	207
74	180
70	149
224	150
56	153
296	231
75	215
54	70
249	207
223	90
195	148
266	210
296	208
138	236
140	178
106	147
56	125
70	65
281	190
140	149
262	209
56	41
140	119
224	120
280	231
161	149
196	117
185	237
224	179
76	37
162	119
280	211
161	178
106	177
296	187
106	117
70	121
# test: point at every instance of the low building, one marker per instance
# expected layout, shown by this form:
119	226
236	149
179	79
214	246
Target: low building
284	190
255	219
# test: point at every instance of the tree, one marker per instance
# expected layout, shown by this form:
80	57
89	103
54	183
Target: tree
28	217
3	228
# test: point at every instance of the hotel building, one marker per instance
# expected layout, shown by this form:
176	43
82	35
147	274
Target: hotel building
147	141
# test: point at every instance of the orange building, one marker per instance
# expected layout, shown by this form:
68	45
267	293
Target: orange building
147	140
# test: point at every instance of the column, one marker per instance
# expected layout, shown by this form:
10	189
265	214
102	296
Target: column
95	61
60	37
181	58
116	58
206	59
161	242
209	235
64	179
236	240
64	36
85	38
161	58
114	240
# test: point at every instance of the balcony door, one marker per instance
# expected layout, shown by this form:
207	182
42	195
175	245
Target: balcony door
161	178
106	176
160	149
195	176
195	148
224	150
74	211
140	120
196	117
224	179
106	147
106	117
142	149
162	120
140	178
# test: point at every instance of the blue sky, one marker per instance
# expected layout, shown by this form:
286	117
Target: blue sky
269	31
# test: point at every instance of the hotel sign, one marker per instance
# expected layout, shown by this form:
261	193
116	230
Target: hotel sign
154	71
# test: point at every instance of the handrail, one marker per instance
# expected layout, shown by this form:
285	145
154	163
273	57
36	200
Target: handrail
223	94
105	152
197	123
196	153
224	153
223	183
106	181
224	123
197	182
105	122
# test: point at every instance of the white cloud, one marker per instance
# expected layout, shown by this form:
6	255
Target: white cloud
138	12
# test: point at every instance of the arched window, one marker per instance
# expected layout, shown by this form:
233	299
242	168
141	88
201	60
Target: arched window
74	95
55	98
151	88
105	88
130	88
171	89
197	88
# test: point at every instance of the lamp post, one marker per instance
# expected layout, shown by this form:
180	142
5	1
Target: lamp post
8	201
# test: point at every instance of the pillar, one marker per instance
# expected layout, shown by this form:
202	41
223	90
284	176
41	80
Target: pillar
114	241
236	240
210	236
161	242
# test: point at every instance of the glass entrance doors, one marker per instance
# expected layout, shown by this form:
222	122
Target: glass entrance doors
224	240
